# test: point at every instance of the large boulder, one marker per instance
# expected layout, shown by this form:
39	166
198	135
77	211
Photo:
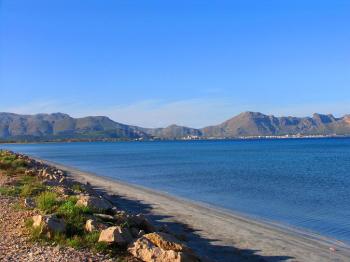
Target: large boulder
94	202
117	234
147	251
49	224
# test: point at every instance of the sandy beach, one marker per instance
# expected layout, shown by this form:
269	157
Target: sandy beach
214	233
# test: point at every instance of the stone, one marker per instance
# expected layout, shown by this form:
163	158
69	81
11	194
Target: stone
141	222
116	234
94	202
37	220
137	233
29	203
49	224
93	225
166	241
145	250
105	217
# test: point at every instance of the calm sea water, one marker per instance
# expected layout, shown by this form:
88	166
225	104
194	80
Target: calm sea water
303	183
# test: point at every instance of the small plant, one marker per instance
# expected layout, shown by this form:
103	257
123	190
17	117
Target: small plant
9	191
75	216
47	202
78	188
73	199
30	186
18	163
75	242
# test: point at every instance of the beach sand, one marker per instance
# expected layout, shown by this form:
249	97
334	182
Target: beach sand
217	234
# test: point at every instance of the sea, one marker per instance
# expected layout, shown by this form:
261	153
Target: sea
301	183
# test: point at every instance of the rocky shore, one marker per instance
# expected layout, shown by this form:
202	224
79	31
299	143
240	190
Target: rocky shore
47	216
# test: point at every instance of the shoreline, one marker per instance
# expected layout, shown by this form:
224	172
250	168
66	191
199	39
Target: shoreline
311	137
214	232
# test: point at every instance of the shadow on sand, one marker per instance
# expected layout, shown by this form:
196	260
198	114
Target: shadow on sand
203	246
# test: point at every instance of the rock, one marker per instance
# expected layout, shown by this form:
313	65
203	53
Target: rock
37	220
50	183
49	224
94	202
92	225
166	241
29	203
105	217
141	222
62	190
116	235
29	172
145	250
137	233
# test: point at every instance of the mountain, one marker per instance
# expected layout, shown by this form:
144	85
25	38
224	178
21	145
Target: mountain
62	126
58	126
258	124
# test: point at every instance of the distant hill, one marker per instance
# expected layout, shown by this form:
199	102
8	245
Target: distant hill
62	126
58	126
258	124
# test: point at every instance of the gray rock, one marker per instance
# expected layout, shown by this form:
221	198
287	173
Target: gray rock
94	202
29	203
116	235
49	224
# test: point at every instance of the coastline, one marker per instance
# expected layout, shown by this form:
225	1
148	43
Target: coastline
216	233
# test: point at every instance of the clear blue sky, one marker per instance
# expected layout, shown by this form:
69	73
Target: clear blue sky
154	63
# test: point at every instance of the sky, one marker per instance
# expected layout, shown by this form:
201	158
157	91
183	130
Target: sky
194	63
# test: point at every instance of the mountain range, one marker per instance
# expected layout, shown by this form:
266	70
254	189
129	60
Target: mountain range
59	126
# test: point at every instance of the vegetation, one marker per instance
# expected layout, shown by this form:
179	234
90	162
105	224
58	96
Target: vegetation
47	202
50	202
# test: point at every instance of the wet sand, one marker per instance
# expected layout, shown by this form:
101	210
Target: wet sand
217	234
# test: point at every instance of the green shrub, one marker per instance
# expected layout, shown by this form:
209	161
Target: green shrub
18	163
75	242
101	247
47	202
73	199
9	191
75	217
30	186
78	187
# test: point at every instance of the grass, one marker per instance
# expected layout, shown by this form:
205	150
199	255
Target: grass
47	202
30	186
11	164
78	188
26	186
9	191
75	216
